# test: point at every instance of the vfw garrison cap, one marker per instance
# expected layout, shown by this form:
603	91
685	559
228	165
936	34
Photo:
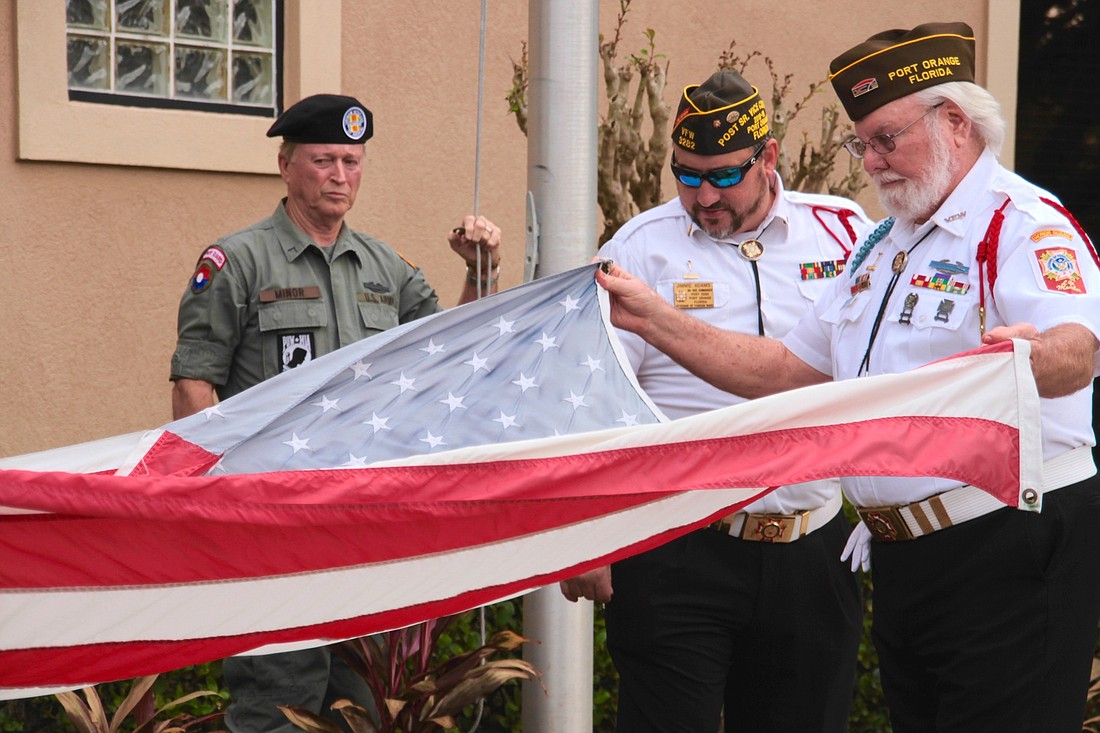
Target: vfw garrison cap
896	63
326	119
722	114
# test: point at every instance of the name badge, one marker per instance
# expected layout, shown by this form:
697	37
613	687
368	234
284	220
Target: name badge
693	295
270	296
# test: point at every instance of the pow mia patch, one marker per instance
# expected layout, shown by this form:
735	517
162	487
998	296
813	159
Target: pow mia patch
297	350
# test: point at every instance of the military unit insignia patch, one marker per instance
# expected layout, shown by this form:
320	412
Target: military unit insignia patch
1059	270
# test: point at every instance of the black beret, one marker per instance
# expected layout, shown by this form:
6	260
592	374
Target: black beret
325	118
723	113
895	63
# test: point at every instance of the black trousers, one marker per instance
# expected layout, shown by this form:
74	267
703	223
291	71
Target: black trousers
991	625
769	631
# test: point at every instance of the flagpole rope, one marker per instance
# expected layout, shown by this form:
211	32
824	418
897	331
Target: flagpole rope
477	184
477	134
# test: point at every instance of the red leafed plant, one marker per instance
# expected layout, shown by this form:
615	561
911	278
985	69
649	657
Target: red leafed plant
409	694
88	715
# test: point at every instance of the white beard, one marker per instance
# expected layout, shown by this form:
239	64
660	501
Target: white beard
918	198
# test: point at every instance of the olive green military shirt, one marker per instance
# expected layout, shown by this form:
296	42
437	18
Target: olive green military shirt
267	299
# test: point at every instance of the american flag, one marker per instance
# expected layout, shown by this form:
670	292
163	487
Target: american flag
291	515
531	362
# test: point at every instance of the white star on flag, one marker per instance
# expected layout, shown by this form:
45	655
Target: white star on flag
546	342
477	363
628	420
326	404
524	382
570	303
378	423
506	421
212	411
433	441
504	326
592	364
575	399
453	402
431	348
298	443
405	383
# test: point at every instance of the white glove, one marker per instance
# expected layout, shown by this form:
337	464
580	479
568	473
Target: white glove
858	548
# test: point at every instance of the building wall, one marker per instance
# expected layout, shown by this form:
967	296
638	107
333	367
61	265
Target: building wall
96	256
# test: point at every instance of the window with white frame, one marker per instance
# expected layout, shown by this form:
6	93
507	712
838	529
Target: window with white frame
221	55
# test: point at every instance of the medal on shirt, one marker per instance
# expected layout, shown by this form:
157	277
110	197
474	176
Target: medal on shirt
901	259
751	249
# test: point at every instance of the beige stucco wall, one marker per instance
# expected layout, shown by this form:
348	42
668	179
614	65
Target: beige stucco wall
95	257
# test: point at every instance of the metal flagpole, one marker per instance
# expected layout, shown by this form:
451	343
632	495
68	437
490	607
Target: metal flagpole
563	64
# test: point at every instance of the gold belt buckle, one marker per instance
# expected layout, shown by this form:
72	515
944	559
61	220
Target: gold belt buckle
772	527
886	523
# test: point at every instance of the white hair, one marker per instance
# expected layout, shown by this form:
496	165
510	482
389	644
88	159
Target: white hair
976	103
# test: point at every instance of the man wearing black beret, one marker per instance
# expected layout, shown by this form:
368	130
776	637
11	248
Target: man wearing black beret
985	615
282	292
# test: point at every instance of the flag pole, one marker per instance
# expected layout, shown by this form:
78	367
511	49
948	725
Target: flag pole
563	68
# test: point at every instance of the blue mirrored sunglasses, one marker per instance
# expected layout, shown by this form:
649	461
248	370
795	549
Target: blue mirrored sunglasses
720	177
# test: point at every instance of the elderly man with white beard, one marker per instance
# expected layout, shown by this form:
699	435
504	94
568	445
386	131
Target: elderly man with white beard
985	617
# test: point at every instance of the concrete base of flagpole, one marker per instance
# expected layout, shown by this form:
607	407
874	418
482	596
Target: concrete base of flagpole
564	656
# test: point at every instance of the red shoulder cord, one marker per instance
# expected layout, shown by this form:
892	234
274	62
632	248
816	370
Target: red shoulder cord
1065	212
987	260
987	251
843	215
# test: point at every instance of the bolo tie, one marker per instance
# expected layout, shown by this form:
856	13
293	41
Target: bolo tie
901	259
752	249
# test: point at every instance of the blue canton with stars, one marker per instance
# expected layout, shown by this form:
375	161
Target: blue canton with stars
533	361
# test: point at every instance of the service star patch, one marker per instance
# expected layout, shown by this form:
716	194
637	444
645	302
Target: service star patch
1059	271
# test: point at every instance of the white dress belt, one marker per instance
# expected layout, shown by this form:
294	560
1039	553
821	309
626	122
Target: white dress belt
778	527
959	505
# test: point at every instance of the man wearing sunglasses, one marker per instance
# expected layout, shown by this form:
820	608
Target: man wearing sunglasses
985	616
283	292
717	618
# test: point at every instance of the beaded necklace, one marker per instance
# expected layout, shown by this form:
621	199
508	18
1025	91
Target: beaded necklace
865	249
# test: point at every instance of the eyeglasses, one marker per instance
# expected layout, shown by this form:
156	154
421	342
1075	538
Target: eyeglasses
883	144
720	177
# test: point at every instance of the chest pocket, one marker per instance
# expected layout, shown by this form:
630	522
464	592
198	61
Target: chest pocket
845	310
377	317
280	322
935	309
710	305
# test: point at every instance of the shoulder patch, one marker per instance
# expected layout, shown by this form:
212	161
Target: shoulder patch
210	263
406	260
215	255
1038	236
1058	270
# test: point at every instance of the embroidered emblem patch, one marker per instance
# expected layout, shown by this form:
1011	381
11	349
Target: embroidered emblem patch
1059	270
355	123
297	350
215	255
202	278
1050	233
210	263
820	270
